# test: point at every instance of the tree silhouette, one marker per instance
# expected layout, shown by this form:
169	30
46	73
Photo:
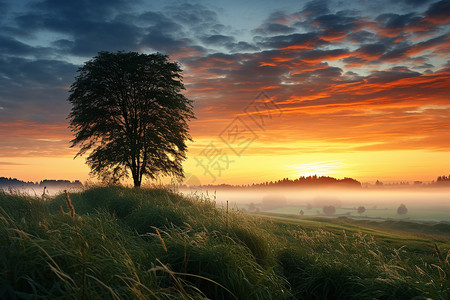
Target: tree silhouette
129	113
329	210
361	210
402	210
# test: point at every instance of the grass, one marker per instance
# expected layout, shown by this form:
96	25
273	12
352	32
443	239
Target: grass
157	244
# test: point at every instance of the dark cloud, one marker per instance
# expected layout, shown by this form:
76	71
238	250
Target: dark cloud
98	10
103	37
416	2
157	21
362	36
316	8
217	39
4	6
229	43
398	21
424	66
406	50
320	55
439	11
392	24
354	60
34	90
197	18
242	47
372	50
337	25
394	54
300	40
274	28
10	46
394	74
275	24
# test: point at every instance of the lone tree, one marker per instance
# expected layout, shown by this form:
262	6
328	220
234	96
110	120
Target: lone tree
402	210
329	210
361	210
129	112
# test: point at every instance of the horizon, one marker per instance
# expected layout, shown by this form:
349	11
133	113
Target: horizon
289	89
193	181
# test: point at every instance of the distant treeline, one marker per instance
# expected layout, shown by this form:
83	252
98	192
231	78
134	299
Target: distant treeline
442	181
443	178
310	181
16	183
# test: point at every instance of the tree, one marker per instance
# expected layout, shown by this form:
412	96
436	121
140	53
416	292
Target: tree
402	210
129	112
301	212
329	210
361	210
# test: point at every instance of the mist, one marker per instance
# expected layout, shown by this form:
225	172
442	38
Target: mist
423	203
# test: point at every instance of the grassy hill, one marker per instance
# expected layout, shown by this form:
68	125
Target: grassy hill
119	243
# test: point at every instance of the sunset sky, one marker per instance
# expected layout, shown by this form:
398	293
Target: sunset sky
281	88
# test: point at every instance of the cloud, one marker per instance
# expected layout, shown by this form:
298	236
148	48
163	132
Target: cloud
242	47
277	23
28	139
198	19
337	26
315	8
439	12
217	39
5	163
416	2
34	90
10	46
4	7
84	10
292	41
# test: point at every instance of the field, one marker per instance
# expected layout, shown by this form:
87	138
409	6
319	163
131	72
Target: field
119	243
423	204
415	214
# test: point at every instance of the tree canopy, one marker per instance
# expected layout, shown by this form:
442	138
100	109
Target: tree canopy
402	210
361	209
129	114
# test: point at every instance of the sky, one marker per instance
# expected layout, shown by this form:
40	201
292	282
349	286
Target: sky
281	89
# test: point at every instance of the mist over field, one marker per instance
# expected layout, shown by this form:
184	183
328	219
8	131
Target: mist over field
423	203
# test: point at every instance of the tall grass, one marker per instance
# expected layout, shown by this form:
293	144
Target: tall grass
156	244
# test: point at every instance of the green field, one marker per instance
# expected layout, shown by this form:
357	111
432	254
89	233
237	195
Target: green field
415	213
119	243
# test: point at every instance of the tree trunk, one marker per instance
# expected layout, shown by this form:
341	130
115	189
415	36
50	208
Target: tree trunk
136	179
137	182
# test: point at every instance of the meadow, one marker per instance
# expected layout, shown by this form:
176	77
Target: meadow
121	243
423	204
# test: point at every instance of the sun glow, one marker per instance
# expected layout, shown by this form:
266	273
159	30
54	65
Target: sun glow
321	168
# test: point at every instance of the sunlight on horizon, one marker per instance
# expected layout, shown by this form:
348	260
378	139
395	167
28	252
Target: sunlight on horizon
321	168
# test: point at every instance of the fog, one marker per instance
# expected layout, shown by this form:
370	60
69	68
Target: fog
423	203
38	191
426	204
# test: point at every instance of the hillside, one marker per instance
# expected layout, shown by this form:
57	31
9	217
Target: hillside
120	243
